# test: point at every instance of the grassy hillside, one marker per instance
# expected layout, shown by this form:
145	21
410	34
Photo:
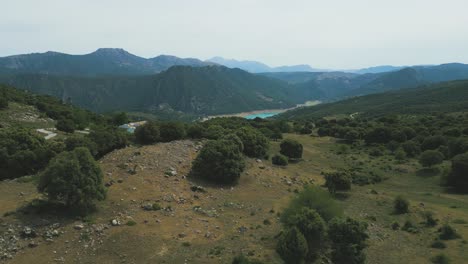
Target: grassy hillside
193	90
443	97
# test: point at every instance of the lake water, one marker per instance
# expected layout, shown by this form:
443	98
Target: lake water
261	115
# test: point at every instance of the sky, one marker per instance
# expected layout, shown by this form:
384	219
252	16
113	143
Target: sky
333	34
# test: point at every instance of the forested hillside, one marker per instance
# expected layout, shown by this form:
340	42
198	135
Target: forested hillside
442	97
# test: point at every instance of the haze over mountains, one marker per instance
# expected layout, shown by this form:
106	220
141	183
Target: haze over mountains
115	80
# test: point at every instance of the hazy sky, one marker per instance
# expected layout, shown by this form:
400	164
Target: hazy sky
326	34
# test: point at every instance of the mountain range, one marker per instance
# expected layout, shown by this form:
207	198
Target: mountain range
115	80
258	67
104	61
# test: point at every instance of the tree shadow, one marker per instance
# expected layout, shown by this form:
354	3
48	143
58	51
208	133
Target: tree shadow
341	196
43	212
428	172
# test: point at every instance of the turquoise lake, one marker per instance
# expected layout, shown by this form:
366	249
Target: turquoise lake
261	115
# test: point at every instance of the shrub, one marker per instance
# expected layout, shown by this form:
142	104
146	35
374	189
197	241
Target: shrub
337	181
401	205
196	131
219	161
430	158
429	217
395	226
279	160
440	259
170	131
74	179
3	102
458	177
131	223
410	227
438	244
400	154
255	143
291	148
316	199
348	237
292	246
214	132
75	141
447	232
147	133
108	139
65	125
156	207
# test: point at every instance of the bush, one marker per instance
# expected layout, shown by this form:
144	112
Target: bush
255	143
438	244
411	148
400	154
430	158
75	141
147	133
433	142
458	177
440	259
3	102
279	160
131	223
108	139
447	232
291	148
348	238
65	125
235	139
219	161
401	205
316	199
292	246
313	227
429	217
337	181
74	179
196	131
170	131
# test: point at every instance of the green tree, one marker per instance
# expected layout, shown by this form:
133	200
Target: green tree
292	246
170	131
430	158
219	161
291	148
65	125
313	227
147	133
348	237
255	143
279	160
195	131
120	118
337	181
74	179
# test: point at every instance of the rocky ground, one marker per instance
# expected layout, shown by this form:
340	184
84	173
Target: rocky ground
154	213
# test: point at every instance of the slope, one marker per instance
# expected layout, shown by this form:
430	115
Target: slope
442	97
